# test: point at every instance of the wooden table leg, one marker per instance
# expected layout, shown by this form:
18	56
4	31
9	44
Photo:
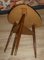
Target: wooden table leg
9	37
13	47
17	38
18	33
34	39
8	41
14	42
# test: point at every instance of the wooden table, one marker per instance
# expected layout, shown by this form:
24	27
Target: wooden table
23	17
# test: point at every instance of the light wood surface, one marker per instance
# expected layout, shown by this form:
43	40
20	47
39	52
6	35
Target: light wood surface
31	16
25	51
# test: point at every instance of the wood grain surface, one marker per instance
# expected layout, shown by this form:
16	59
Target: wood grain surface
25	51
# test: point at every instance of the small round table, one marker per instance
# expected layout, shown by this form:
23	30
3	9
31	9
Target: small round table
23	17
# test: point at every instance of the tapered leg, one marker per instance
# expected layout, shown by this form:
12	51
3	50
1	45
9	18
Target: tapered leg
8	41
34	40
14	41
13	47
17	38
18	33
9	37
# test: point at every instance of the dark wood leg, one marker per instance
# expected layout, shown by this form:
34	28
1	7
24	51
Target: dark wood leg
13	47
18	33
8	41
9	37
15	30
34	40
17	38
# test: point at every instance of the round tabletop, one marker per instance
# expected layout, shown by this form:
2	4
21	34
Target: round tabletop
31	16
